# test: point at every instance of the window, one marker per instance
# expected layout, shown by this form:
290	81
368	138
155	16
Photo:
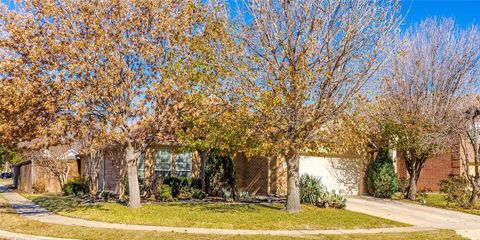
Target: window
141	167
183	164
163	163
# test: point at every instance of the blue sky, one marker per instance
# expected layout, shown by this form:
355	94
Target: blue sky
465	12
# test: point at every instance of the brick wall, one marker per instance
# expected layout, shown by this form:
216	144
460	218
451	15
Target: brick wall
278	176
435	169
251	174
260	176
112	167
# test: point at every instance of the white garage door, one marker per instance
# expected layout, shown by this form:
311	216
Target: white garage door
339	174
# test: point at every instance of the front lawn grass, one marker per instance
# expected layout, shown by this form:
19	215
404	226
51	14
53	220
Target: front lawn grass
438	200
15	223
214	215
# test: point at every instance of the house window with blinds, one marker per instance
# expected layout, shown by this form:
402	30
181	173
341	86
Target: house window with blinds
183	164
163	163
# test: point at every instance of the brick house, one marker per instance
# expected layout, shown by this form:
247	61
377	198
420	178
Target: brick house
255	175
107	167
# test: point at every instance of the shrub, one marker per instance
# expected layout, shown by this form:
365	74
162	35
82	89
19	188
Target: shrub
456	190
310	189
421	196
77	186
220	174
198	194
403	185
164	193
227	193
39	187
398	196
331	200
181	185
382	180
185	192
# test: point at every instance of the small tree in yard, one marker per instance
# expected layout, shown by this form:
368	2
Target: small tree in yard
382	180
469	136
433	67
305	61
53	160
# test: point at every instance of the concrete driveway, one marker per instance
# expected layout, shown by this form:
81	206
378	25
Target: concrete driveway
467	225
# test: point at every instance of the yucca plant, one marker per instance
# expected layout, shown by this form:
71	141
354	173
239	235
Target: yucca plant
310	189
331	200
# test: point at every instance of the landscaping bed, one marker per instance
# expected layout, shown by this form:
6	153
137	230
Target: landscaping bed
213	215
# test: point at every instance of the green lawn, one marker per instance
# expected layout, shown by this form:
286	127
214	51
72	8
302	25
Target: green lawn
19	224
438	200
218	215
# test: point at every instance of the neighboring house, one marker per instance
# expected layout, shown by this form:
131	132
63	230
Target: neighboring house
436	169
46	170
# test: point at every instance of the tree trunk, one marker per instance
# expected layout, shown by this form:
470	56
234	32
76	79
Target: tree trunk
293	185
474	197
412	187
203	167
132	174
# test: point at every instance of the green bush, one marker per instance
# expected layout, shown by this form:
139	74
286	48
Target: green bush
421	196
403	185
198	194
164	193
331	200
185	193
220	175
398	196
77	186
382	180
181	185
456	190
310	189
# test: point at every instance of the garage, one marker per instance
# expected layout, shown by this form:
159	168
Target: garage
341	174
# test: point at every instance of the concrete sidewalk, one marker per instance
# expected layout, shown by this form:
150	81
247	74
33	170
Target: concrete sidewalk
32	211
18	236
467	225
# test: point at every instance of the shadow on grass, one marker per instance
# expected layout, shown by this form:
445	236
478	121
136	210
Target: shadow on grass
229	207
64	204
5	208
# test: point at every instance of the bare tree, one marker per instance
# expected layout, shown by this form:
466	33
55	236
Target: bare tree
433	66
54	160
469	136
306	60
